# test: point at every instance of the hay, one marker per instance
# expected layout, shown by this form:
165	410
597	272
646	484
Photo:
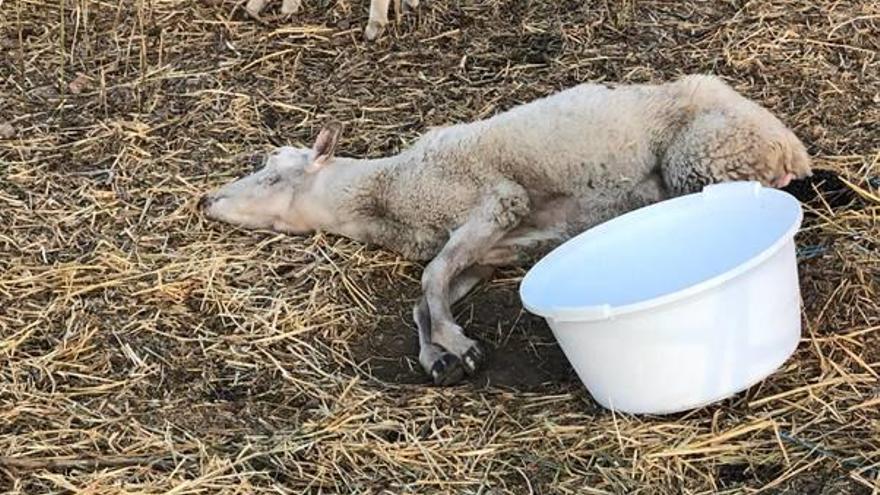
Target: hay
143	349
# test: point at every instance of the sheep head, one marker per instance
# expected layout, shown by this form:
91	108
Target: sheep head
282	195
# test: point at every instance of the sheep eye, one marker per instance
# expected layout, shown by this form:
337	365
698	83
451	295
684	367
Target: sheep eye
272	180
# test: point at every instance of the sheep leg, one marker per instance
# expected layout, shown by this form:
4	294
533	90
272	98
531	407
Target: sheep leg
444	367
378	19
290	7
410	5
501	211
254	7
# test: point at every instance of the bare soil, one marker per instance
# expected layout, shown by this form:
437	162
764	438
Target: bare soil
522	354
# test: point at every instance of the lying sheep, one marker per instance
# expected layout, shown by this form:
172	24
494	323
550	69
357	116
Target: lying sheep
375	26
470	197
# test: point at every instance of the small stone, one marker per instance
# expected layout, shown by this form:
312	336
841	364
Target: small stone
80	83
45	92
6	130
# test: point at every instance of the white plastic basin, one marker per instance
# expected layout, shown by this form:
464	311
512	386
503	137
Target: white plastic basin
678	304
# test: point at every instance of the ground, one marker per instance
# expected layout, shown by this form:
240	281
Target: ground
144	349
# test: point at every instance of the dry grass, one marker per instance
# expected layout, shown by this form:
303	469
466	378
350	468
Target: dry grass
143	349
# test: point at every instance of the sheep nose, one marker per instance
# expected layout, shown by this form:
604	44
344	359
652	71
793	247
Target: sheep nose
783	181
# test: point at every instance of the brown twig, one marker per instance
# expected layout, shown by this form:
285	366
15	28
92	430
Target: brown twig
34	463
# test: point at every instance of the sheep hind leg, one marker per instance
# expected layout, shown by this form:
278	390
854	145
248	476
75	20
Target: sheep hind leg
445	367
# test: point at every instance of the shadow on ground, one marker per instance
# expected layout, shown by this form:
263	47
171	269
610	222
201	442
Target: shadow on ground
522	353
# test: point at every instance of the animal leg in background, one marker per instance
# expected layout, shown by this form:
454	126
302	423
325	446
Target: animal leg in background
290	7
379	15
255	7
375	25
378	19
501	210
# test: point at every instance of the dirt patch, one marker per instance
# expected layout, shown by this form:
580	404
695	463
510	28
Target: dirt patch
825	187
522	353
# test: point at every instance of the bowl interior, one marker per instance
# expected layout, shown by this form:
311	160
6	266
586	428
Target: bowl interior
661	249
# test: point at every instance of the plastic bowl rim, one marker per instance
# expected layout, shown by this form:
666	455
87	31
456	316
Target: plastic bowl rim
608	311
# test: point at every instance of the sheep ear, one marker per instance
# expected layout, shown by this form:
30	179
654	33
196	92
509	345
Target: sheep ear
325	145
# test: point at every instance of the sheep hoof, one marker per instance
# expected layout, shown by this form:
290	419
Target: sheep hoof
473	358
447	370
254	7
290	7
374	30
409	5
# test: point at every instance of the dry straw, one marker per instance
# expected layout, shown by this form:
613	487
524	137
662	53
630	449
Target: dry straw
145	350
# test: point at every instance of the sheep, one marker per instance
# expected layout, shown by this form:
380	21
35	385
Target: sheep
375	25
471	197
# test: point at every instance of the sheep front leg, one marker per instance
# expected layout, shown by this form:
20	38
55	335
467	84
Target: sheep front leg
499	213
444	367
